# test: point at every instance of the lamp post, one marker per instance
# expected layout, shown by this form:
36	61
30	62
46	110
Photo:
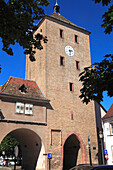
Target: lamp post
101	139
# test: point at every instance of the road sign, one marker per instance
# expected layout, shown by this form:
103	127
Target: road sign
16	151
49	155
105	151
106	156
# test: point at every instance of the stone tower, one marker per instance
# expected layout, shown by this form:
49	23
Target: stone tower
56	70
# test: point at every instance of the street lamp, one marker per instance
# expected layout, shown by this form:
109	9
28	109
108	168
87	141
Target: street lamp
101	139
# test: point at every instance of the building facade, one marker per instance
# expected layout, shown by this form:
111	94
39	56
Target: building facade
108	134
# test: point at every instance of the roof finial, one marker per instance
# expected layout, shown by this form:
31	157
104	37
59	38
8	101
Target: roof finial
56	8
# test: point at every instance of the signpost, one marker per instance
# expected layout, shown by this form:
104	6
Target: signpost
89	150
49	157
106	156
16	154
105	151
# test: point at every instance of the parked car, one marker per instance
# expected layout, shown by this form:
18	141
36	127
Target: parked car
103	167
93	167
82	167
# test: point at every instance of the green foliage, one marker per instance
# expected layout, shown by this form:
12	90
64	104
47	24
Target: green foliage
108	21
17	18
104	2
7	145
97	79
107	17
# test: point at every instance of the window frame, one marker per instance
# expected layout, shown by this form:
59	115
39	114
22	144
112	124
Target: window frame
72	116
111	128
71	87
61	33
20	105
112	152
25	111
28	111
77	65
76	38
62	61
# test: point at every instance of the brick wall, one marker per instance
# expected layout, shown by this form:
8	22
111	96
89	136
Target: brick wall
54	79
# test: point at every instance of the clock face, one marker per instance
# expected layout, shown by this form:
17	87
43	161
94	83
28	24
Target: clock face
69	50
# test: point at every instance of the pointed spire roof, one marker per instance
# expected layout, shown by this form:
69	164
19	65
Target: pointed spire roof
56	8
55	16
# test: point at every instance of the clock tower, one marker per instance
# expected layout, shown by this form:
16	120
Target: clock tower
56	70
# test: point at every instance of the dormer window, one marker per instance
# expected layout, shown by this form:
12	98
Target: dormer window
22	89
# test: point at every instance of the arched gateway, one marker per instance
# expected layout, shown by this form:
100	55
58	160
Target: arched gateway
71	148
31	146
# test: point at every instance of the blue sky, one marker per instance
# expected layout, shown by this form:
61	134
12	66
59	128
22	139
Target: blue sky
84	13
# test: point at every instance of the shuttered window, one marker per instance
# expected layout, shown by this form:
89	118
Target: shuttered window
24	108
29	109
19	107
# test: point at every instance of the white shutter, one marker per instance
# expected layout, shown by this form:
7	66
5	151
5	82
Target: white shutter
26	108
22	108
18	107
30	109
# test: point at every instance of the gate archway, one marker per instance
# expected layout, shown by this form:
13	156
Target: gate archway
31	146
70	152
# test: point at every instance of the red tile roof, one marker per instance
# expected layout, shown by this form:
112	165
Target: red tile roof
12	85
109	113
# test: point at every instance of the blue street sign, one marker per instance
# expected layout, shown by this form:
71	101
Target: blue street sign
105	151
49	155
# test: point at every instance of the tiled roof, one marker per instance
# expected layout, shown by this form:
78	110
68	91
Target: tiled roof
63	19
59	17
109	113
13	85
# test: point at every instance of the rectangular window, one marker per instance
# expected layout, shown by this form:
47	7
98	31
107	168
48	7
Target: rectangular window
111	129
112	152
29	109
71	88
19	107
61	61
77	65
72	118
24	108
61	33
76	39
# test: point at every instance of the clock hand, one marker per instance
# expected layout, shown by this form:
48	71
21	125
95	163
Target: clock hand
70	51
